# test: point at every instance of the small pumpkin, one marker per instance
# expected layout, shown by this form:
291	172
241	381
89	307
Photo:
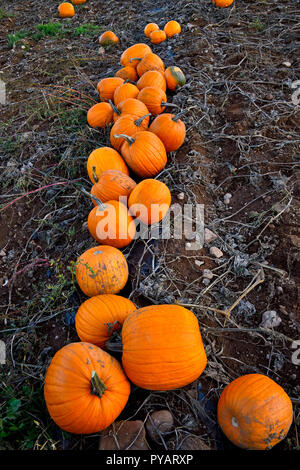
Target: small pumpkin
78	2
111	224
174	77
162	347
108	38
130	106
125	91
127	73
170	129
128	125
137	50
156	37
111	185
254	412
106	87
101	270
152	78
144	153
150	61
66	10
99	316
172	28
103	159
149	201
85	388
154	98
100	115
149	28
223	3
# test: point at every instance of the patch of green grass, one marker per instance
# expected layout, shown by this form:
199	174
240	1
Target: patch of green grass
87	29
16	38
48	29
5	14
73	120
258	25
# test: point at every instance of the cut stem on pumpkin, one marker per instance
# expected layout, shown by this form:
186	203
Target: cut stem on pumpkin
139	121
128	139
97	386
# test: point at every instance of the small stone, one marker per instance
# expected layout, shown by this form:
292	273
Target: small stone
270	97
286	64
206	282
207	274
214	251
160	421
270	319
2	253
209	236
124	435
227	198
198	263
188	245
180	196
101	51
279	290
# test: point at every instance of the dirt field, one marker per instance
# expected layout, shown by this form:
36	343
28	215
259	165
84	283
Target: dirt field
242	138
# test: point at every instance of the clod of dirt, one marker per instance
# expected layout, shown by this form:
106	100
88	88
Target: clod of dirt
192	443
216	252
159	422
124	435
270	319
209	236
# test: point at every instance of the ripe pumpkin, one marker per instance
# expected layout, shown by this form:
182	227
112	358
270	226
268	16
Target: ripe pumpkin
78	2
125	91
103	159
128	125
111	224
111	185
149	28
154	98
254	412
223	3
137	50
130	106
107	38
172	28
99	316
170	129
100	115
101	270
85	388
127	73
162	347
66	10
150	61
144	153
106	87
149	201
152	78
156	37
174	77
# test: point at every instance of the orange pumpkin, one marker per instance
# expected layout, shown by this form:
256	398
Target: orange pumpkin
128	125
223	3
125	91
111	224
149	28
106	87
133	52
150	61
149	201
111	185
66	10
154	98
170	129
100	115
254	412
127	73
152	78
85	388
144	153
174	77
107	38
162	347
99	316
103	159
78	2
156	37
130	106
101	270
172	28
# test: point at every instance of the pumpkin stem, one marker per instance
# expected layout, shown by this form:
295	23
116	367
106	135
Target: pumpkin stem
94	174
128	139
172	105
129	81
115	109
114	344
139	121
98	201
177	116
97	386
135	58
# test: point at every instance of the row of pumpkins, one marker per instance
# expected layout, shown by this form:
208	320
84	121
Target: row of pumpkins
85	386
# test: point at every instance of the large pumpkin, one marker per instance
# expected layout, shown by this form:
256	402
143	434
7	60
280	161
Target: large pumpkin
66	10
111	185
170	129
149	28
254	412
223	3
172	28
101	270
103	159
130	106
150	61
162	347
85	388
154	98
174	77
106	87
99	316
152	78
137	51
100	115
127	73
156	37
124	91
149	201
127	125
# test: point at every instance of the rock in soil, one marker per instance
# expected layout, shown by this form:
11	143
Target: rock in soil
214	251
159	422
209	236
270	319
124	435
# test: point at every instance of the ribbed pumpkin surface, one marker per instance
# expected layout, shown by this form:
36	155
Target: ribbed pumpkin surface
112	184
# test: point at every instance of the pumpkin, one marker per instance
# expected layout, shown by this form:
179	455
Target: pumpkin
172	28
150	61
101	270
223	3
107	38
111	185
127	73
66	10
125	91
128	125
149	201
111	224
100	115
254	412
144	153
103	159
149	28
99	316
162	347
85	388
154	98
156	37
152	78
78	2
170	129
137	50
130	106
174	77
106	87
